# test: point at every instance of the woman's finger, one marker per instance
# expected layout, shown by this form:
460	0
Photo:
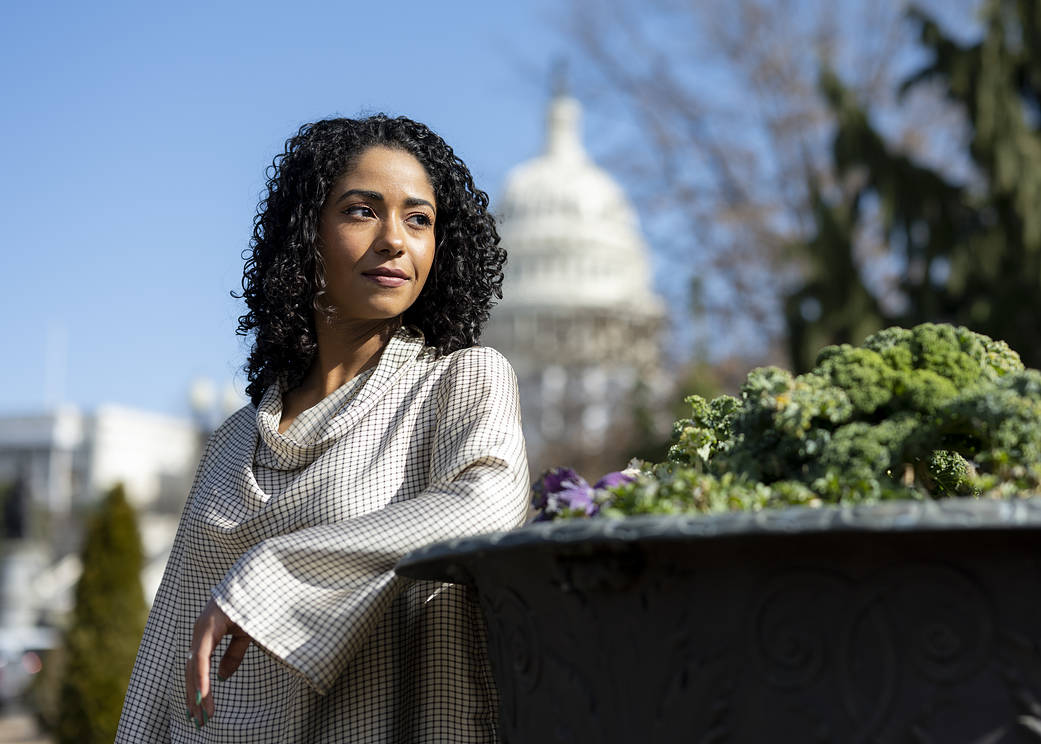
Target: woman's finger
190	688
197	679
233	655
211	626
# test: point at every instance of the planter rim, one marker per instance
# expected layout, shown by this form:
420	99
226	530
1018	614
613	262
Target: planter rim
441	559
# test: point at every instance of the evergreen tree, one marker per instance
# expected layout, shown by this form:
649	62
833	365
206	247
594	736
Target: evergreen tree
972	251
107	622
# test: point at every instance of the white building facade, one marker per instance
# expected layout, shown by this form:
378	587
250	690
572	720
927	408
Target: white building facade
579	320
62	460
53	468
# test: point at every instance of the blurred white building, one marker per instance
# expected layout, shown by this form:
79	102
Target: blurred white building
579	320
63	459
53	467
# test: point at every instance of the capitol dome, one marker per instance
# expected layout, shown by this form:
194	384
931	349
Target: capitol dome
571	235
578	319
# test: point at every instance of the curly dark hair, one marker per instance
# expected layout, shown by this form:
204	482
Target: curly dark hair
283	281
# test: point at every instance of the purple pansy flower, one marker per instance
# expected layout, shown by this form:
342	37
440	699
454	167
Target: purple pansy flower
579	497
552	482
614	479
559	479
563	490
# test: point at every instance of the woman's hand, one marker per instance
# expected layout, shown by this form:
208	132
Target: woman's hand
211	626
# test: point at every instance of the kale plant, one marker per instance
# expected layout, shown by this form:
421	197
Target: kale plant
932	412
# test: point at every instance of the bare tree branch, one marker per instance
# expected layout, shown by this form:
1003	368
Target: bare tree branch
724	127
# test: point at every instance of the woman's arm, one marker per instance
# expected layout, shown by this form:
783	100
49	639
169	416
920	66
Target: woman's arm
312	597
145	715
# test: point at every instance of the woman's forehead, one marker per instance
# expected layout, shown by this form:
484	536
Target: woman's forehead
390	168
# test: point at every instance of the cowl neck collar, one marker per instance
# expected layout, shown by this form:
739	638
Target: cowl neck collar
346	406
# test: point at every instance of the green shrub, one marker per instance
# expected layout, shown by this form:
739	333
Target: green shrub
930	412
102	638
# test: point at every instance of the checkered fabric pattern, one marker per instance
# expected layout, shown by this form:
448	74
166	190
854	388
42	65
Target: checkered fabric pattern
296	535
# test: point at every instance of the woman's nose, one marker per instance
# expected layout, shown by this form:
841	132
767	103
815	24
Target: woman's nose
392	238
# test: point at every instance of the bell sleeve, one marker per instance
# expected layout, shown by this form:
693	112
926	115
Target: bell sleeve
145	714
312	597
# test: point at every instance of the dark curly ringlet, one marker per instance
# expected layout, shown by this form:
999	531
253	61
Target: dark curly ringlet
283	280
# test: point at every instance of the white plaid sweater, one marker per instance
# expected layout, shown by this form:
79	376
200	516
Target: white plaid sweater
296	536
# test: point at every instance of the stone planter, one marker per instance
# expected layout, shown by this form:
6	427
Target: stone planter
899	622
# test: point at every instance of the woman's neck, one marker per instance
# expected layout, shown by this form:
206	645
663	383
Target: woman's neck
345	349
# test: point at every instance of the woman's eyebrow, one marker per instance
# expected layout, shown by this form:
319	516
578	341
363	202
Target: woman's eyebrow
371	195
412	201
415	201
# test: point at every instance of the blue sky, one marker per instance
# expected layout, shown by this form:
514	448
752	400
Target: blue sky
135	138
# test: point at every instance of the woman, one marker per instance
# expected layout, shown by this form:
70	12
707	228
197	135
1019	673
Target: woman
376	426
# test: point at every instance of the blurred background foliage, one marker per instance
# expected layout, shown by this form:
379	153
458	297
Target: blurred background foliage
972	250
816	171
79	695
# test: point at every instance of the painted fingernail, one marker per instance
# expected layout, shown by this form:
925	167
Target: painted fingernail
205	717
198	697
196	722
221	677
189	716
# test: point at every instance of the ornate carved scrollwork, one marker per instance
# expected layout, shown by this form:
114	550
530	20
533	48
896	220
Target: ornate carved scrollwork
902	623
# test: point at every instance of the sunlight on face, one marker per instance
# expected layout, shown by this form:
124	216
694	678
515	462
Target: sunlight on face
376	235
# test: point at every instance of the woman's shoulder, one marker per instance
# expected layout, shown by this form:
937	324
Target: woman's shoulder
239	425
476	360
244	418
474	380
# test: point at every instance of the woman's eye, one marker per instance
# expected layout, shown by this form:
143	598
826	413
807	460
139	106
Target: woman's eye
420	220
358	210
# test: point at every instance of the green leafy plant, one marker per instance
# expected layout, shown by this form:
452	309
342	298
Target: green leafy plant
107	622
934	411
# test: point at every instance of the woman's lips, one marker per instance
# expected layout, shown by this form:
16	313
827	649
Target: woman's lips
386	280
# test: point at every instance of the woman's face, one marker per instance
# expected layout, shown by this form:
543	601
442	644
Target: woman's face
376	235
